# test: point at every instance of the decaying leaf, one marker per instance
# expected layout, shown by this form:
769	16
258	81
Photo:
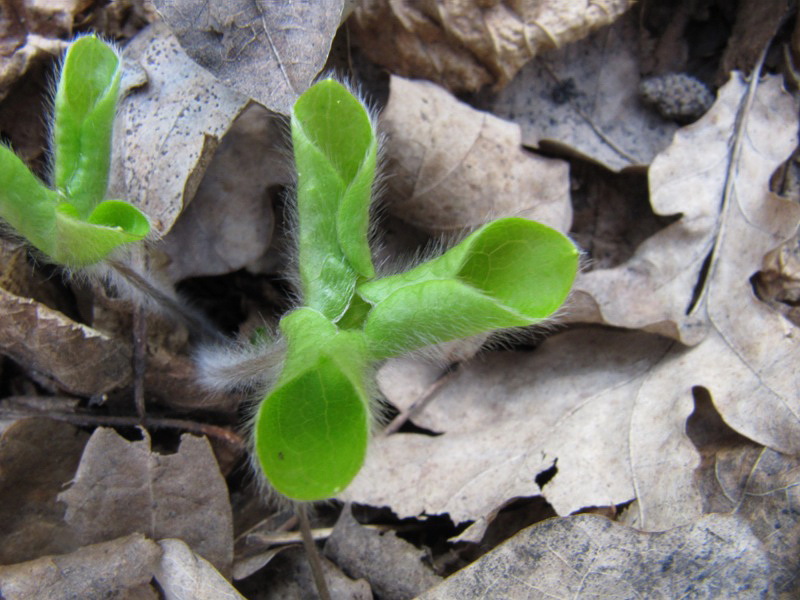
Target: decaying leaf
582	403
122	487
32	33
37	457
288	577
588	556
268	51
584	99
715	174
167	127
466	45
454	167
185	575
229	222
46	341
392	566
122	567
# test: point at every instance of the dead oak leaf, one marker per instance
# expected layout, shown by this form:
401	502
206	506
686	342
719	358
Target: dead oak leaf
268	51
467	45
583	403
587	556
122	487
453	166
715	175
169	122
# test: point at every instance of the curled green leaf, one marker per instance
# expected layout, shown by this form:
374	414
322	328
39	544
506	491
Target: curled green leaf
85	104
311	430
509	273
335	151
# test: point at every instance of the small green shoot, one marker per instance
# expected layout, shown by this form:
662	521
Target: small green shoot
311	429
73	224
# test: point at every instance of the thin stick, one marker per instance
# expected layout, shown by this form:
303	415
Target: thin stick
420	402
227	436
314	559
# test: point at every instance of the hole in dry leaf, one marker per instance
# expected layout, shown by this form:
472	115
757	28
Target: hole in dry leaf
705	426
612	213
701	282
543	478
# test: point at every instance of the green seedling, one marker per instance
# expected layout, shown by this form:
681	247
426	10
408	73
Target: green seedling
72	223
311	429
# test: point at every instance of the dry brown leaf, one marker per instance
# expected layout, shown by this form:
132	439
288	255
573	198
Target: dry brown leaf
121	568
229	222
584	98
46	341
465	45
168	125
288	577
453	166
37	457
31	32
725	206
757	484
122	487
583	402
587	556
184	575
268	51
393	567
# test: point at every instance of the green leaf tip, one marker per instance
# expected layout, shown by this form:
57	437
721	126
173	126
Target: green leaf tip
335	149
73	225
511	272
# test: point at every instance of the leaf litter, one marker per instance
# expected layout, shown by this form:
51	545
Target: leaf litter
680	428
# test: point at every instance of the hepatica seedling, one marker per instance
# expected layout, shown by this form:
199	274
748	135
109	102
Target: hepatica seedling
311	429
71	222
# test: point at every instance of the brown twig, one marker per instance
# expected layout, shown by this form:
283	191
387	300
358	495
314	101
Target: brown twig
222	434
420	402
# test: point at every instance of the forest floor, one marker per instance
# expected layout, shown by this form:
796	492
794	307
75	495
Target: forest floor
644	443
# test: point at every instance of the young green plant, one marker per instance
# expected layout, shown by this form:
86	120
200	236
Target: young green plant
312	428
71	223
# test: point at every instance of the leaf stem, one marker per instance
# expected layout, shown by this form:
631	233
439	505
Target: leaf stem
314	559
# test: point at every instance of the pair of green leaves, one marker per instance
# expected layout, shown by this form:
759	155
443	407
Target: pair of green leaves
72	224
312	428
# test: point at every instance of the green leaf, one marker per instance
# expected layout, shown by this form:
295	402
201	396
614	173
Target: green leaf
80	243
311	431
85	104
25	203
511	272
335	151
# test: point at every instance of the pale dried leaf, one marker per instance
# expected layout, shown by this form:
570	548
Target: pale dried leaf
690	178
454	167
37	457
122	487
393	567
118	568
31	32
168	125
583	402
288	577
184	575
587	556
465	45
584	98
46	341
229	222
268	51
